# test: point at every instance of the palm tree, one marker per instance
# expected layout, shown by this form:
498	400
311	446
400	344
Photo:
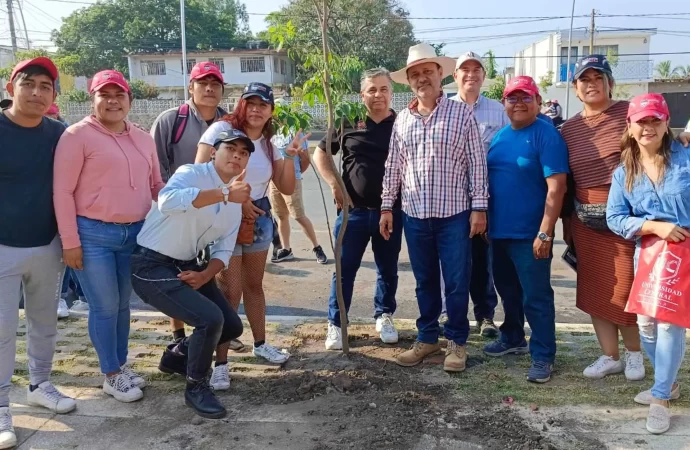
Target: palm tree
663	69
682	71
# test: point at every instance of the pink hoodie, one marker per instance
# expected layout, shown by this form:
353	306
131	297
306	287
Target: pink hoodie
104	176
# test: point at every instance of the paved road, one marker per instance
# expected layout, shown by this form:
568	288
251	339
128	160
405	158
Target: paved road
301	287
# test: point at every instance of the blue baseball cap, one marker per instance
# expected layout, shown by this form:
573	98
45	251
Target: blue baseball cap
233	135
596	62
263	91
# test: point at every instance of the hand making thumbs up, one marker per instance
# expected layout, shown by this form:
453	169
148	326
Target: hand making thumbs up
239	189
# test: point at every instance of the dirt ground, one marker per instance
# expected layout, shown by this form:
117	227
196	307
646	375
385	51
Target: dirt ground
323	400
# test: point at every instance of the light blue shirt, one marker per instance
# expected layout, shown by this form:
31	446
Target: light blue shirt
666	202
491	117
177	229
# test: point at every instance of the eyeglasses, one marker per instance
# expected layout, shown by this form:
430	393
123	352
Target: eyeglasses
514	100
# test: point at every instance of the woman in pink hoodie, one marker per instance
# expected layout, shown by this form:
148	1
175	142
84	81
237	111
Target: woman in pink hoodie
106	174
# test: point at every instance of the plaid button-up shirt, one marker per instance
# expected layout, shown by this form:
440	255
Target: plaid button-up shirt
438	163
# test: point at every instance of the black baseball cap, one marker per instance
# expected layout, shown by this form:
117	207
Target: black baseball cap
263	91
596	62
233	135
6	103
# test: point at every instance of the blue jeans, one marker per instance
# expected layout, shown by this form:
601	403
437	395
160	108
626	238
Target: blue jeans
482	289
524	284
70	281
428	242
664	344
106	281
362	226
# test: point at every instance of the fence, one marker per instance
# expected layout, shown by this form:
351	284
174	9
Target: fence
144	112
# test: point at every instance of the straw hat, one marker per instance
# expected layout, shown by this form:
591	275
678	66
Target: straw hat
420	54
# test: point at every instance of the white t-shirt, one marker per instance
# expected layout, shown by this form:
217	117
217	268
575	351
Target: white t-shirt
259	168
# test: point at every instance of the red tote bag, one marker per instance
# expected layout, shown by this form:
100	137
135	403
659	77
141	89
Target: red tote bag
662	283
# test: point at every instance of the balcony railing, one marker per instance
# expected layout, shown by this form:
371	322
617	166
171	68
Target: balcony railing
624	70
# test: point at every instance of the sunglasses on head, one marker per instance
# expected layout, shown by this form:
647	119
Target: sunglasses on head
513	100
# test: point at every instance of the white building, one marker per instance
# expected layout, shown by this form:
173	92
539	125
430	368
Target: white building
239	67
633	71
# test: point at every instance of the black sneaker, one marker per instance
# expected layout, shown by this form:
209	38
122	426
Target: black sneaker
488	328
321	257
199	396
284	254
173	362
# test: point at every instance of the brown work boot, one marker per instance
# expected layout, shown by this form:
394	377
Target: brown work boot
456	357
416	354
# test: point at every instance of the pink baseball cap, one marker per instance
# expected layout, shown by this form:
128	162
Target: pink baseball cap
53	109
205	69
648	105
106	77
41	61
522	83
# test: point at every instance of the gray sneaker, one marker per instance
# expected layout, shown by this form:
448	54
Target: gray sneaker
321	257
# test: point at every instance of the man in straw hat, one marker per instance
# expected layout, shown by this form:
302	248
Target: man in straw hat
438	164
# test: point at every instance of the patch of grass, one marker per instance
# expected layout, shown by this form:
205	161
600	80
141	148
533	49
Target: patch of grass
507	377
62	343
21	348
20	381
159	376
139	336
159	322
74	334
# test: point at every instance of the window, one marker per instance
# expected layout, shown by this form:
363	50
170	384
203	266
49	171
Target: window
564	55
276	65
252	64
601	50
190	65
218	62
283	67
153	67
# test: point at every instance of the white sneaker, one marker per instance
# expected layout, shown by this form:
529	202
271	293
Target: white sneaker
386	329
80	305
645	397
8	438
62	311
658	419
334	340
634	366
122	389
47	396
270	353
220	380
136	379
603	366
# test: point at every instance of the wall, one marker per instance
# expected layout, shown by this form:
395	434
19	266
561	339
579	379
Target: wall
233	75
669	87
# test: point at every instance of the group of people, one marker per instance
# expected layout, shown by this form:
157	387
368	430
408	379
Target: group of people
183	216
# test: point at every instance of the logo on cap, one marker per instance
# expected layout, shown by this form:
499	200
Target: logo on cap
591	60
207	67
106	76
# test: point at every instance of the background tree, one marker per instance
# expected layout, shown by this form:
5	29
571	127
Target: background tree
60	62
545	82
376	31
495	91
663	70
490	65
682	71
143	90
100	36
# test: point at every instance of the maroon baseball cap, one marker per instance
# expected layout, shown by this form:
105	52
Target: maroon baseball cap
41	61
522	83
648	105
205	69
106	77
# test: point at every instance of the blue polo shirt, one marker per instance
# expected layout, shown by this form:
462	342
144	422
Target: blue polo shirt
519	161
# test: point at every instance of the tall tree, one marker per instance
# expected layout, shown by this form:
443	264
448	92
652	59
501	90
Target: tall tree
101	35
376	31
663	69
490	64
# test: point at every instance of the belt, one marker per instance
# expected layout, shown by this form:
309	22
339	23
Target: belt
152	254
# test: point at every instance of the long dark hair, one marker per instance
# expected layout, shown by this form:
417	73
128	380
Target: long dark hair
630	158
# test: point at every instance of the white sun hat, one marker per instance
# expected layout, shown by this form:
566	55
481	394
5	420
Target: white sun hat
420	54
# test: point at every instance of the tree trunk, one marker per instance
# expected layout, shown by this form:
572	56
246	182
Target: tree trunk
323	18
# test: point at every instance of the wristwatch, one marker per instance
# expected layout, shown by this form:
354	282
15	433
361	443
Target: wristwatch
225	190
544	237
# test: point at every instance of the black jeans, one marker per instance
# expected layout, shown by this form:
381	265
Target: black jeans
154	278
482	288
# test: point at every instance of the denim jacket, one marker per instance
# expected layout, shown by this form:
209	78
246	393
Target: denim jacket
667	202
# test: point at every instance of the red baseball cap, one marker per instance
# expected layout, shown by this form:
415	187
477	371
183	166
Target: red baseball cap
205	69
41	61
522	83
106	77
53	109
648	105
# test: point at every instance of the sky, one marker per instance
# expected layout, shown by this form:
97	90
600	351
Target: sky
43	15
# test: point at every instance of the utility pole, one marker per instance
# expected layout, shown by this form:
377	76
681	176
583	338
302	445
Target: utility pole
567	70
591	35
26	32
13	35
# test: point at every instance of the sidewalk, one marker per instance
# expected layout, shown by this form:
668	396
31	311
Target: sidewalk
325	400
